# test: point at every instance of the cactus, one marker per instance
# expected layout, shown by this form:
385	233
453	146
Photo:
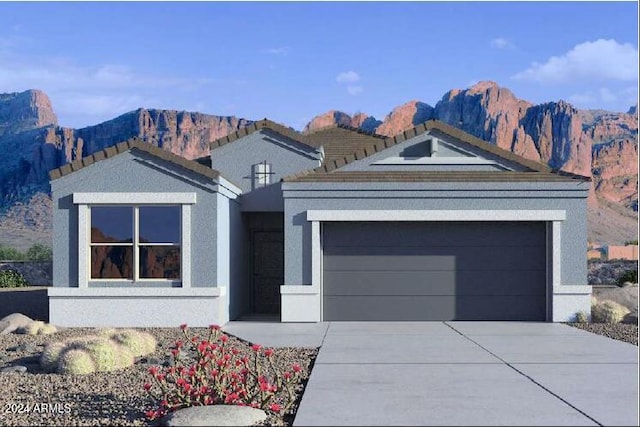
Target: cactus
38	327
608	312
124	357
140	343
50	355
76	362
103	353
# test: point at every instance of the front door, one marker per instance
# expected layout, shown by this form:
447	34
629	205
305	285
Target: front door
268	270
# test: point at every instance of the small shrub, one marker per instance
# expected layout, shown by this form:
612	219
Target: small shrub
581	317
12	279
10	254
39	252
221	375
628	276
76	362
608	312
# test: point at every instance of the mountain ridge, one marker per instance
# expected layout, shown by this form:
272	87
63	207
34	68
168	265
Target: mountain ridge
596	143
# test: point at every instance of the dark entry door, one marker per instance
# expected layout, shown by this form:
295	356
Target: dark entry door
268	270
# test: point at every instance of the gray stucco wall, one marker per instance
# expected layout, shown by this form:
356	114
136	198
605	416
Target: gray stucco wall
447	147
139	172
235	162
569	196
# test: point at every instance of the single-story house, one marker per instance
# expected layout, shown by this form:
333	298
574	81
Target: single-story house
338	224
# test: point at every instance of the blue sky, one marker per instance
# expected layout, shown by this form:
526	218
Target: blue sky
291	61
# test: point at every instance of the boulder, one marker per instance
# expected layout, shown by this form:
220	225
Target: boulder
215	415
19	369
12	322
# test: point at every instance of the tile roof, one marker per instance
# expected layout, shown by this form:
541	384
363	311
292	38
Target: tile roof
137	144
363	150
259	125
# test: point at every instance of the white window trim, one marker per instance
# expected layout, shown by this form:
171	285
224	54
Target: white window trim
83	200
307	306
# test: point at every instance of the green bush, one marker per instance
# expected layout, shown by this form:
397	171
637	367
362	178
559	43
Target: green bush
10	254
608	312
39	252
12	279
628	276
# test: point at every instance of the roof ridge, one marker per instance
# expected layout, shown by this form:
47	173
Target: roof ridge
133	143
346	127
259	125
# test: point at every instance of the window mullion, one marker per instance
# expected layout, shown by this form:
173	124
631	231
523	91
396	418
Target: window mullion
136	249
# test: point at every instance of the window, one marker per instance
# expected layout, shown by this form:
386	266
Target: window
135	242
262	173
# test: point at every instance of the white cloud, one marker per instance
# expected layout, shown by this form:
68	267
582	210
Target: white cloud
354	90
589	61
276	51
347	77
83	95
501	43
605	97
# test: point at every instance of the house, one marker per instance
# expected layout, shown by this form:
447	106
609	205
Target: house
432	224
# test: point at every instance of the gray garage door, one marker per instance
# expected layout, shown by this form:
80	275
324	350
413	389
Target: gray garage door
434	271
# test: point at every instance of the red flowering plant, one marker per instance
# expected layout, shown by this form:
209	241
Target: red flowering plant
220	374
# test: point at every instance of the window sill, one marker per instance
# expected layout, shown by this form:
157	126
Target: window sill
127	292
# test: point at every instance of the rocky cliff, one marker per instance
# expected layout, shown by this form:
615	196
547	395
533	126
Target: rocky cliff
37	145
586	142
594	143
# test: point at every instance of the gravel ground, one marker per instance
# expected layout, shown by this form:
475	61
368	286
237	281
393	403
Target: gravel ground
106	398
618	331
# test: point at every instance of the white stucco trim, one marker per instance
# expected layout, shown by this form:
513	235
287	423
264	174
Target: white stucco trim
83	246
436	215
227	188
395	161
556	254
304	303
134	198
185	268
572	289
130	292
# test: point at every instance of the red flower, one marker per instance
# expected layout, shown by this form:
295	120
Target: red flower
214	327
275	407
254	405
235	351
160	377
287	375
164	404
180	382
153	370
175	352
186	387
184	327
214	372
256	347
231	398
150	414
268	352
202	347
262	379
146	386
296	368
179	344
224	338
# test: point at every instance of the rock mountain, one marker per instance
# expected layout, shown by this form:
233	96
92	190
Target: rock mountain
593	143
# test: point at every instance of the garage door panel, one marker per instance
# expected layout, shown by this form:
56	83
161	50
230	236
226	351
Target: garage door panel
434	234
434	271
432	258
430	308
433	283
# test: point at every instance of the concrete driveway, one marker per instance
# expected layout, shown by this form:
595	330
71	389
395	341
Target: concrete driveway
460	373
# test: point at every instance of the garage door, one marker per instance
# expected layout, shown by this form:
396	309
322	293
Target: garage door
434	271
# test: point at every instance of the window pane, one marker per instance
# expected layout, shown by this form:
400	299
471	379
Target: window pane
159	262
112	262
111	224
159	224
